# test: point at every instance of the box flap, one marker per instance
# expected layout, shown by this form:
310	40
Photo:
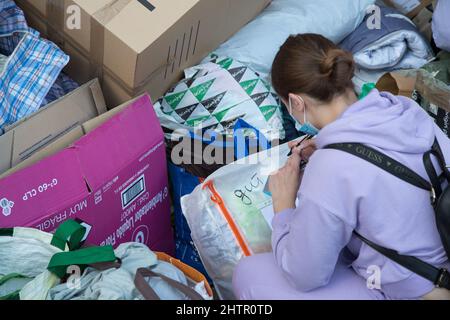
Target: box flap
115	143
48	124
397	84
94	123
51	149
92	7
6	147
45	187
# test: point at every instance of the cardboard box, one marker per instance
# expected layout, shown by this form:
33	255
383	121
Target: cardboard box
137	45
114	179
441	116
410	8
398	84
25	138
423	22
427	86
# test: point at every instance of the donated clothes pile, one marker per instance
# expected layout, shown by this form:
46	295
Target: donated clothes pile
226	106
30	68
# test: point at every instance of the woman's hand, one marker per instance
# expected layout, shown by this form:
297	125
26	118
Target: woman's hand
284	183
306	149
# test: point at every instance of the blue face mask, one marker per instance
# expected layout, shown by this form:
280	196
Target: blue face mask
306	127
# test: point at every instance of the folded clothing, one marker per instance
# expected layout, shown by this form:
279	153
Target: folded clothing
441	25
62	86
31	68
396	44
257	43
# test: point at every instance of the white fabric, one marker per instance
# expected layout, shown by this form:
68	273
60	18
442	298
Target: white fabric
28	253
363	76
118	284
257	44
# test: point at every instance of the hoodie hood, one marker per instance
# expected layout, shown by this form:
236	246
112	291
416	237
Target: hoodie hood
391	123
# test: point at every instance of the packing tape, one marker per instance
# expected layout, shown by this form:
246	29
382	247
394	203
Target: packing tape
97	45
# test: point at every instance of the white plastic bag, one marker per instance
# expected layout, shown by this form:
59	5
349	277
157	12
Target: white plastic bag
229	214
218	93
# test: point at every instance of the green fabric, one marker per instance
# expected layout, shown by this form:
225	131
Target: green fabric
59	262
13	295
8	277
8	232
366	89
70	232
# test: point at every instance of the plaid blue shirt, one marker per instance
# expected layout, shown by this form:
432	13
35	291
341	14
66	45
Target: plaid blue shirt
30	77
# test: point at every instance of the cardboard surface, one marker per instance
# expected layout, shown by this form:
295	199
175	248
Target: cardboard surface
397	84
136	48
410	8
114	179
26	137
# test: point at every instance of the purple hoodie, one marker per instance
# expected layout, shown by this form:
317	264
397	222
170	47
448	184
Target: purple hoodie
340	193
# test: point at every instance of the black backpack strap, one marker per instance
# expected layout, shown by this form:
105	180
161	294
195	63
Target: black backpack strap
431	171
384	162
445	169
439	277
435	179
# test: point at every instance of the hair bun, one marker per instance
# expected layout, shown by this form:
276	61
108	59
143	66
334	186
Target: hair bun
314	65
338	65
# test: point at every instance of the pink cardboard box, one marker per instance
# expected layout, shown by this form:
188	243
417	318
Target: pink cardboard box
114	179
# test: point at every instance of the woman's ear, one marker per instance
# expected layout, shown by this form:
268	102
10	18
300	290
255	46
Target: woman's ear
298	104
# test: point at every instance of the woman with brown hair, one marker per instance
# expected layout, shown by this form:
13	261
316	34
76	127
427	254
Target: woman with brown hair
316	254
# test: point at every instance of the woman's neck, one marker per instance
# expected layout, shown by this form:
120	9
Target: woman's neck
337	107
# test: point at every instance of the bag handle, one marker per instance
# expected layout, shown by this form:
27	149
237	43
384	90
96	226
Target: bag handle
68	233
13	295
83	257
6	232
149	294
439	277
71	233
434	178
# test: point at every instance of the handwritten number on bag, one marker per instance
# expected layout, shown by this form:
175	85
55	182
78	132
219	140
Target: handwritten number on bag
244	197
253	184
